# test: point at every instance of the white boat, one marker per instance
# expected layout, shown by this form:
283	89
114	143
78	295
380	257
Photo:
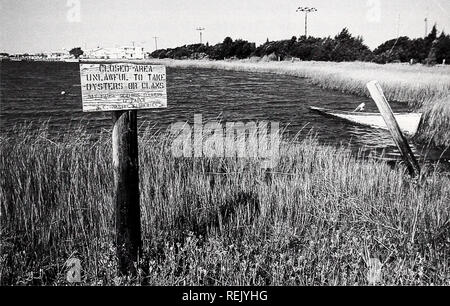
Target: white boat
408	122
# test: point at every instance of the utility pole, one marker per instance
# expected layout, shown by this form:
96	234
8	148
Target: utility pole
426	21
156	42
200	29
306	10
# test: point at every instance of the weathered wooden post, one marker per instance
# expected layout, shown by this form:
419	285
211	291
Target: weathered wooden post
385	109
123	87
126	189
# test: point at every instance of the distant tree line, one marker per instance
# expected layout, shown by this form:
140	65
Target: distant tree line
432	49
343	47
227	49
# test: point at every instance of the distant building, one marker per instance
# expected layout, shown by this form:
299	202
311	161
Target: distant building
116	53
134	52
48	56
103	53
23	57
57	56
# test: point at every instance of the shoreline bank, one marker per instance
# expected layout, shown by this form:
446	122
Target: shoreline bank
424	88
414	84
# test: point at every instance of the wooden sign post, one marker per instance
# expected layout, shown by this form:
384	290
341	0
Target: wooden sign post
385	109
126	189
123	88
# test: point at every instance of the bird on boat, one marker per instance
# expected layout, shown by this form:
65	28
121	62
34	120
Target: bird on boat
360	108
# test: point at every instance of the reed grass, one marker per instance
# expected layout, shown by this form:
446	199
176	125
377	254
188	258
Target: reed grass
436	123
316	219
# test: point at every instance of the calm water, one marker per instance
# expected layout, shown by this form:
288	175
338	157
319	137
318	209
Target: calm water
32	92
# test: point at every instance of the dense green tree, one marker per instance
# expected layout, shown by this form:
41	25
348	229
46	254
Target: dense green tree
76	52
432	55
443	52
349	48
433	35
242	48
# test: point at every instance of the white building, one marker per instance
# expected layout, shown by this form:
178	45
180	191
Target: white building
103	53
134	52
57	55
54	56
116	53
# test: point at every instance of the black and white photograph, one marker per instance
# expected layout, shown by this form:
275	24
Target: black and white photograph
224	149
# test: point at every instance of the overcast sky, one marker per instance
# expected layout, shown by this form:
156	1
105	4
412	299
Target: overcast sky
51	25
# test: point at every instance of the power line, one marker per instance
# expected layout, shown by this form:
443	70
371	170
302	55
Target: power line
306	10
398	36
200	29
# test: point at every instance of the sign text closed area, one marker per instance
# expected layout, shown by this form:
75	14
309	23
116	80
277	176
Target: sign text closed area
122	86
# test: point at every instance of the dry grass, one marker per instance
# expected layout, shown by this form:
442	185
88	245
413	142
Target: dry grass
316	219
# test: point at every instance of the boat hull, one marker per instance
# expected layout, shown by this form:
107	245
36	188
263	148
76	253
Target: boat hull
408	122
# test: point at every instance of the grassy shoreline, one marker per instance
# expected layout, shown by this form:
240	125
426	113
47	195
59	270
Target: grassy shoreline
424	88
415	84
316	219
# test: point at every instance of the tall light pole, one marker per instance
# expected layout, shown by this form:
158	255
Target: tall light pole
306	10
156	42
200	29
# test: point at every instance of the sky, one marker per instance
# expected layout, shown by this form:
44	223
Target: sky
52	25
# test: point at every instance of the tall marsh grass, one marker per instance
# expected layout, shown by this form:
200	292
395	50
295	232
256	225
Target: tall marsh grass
316	219
436	123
